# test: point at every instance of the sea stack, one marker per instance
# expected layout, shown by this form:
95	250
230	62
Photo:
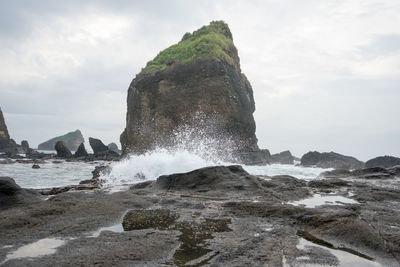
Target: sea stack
196	82
5	141
72	141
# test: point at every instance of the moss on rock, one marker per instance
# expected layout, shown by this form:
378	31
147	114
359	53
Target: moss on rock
160	219
211	41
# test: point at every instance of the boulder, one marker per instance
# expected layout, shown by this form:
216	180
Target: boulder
114	147
25	145
97	146
384	161
12	194
193	91
35	166
62	150
284	157
330	160
81	152
216	181
258	157
72	141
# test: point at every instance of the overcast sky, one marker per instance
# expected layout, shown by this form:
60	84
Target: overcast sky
325	74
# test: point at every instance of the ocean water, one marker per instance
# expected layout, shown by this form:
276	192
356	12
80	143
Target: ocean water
135	169
140	168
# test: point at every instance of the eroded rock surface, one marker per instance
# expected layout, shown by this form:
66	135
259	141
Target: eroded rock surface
216	216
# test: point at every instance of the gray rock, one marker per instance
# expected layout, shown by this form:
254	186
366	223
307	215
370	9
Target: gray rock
330	160
384	161
207	94
72	141
114	147
284	157
62	150
12	194
81	152
97	146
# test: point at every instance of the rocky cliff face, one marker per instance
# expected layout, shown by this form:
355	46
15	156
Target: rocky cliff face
5	141
195	84
72	140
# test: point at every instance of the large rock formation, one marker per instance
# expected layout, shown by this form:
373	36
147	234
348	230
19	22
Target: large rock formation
81	152
5	141
330	160
72	140
62	150
383	161
284	157
97	145
195	87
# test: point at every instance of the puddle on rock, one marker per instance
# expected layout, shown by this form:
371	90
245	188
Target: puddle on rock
116	228
346	256
319	200
193	251
39	248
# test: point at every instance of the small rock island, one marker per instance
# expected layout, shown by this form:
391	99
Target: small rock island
196	83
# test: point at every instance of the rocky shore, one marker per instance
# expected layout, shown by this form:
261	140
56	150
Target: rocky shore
215	216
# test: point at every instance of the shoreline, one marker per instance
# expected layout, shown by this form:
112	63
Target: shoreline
231	217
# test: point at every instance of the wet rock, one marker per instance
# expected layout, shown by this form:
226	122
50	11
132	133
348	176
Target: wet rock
114	147
331	183
81	152
170	93
330	160
35	166
62	150
55	190
97	146
5	141
145	219
259	157
7	144
72	140
25	146
12	194
7	161
374	173
384	161
222	179
284	157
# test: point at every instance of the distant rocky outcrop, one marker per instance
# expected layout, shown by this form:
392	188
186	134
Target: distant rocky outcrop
330	160
25	145
6	143
97	145
81	152
62	150
284	157
114	147
72	140
384	161
195	86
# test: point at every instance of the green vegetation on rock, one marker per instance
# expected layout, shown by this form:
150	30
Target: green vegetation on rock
212	41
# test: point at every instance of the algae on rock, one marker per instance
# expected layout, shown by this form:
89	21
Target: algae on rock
199	75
